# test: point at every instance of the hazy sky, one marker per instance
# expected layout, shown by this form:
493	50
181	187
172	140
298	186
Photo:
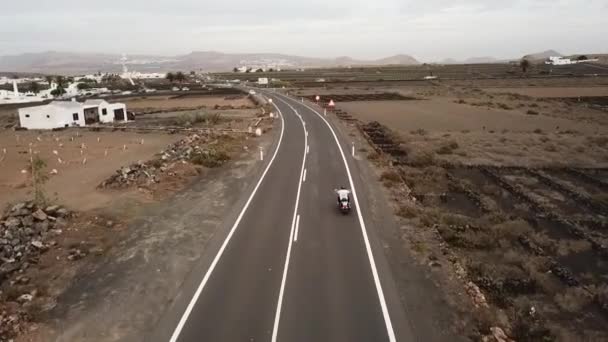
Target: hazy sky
426	29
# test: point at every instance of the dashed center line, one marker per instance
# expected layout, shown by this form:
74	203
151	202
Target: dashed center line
295	236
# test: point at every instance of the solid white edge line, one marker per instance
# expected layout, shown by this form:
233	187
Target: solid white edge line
384	307
295	237
304	178
277	316
201	286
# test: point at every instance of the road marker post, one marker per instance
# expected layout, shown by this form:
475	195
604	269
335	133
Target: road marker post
353	148
261	154
325	111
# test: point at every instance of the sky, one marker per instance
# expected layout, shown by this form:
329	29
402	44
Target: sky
429	30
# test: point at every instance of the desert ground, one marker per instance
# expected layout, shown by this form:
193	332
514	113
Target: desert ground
501	187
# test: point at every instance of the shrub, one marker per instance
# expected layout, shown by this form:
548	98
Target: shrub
601	141
532	112
390	177
407	212
538	131
550	148
461	101
421	158
504	106
419	131
212	158
447	148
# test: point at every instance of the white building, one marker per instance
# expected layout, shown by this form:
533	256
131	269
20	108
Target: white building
58	114
104	112
555	60
263	80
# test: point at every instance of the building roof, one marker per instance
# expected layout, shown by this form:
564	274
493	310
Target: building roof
66	104
93	102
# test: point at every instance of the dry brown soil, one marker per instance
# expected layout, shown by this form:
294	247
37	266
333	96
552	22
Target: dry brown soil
87	158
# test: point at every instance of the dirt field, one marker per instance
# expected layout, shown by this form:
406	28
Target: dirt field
82	167
442	114
160	103
549	92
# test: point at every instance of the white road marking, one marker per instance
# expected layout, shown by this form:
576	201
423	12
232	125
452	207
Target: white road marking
308	149
304	179
277	316
295	237
384	307
201	286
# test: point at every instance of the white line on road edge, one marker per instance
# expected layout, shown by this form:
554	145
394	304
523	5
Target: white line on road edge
304	179
277	316
295	237
200	288
384	307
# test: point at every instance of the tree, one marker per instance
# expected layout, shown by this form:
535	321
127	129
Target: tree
525	65
582	58
49	79
170	77
180	77
192	73
271	70
39	177
83	86
60	80
35	87
58	91
235	69
260	70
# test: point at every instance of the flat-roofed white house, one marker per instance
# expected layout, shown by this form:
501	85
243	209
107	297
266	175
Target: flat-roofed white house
53	115
59	114
103	111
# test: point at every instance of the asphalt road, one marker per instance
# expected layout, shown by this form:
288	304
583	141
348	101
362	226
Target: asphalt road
292	267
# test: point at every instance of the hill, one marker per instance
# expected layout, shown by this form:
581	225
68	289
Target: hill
78	63
543	55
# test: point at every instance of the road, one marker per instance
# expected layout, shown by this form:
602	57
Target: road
292	267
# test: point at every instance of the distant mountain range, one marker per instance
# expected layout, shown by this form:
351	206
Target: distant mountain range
79	63
83	63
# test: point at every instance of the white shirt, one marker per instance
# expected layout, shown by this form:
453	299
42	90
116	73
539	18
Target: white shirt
343	193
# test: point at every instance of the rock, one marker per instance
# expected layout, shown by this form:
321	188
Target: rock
42	226
27	221
63	212
17	207
23	212
28	231
51	209
12	223
25	298
479	300
499	334
30	205
61	223
37	244
39	215
110	223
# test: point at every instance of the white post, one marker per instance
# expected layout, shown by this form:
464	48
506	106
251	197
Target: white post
302	100
325	111
261	154
353	148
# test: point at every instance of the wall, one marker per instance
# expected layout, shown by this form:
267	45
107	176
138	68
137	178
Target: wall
58	117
